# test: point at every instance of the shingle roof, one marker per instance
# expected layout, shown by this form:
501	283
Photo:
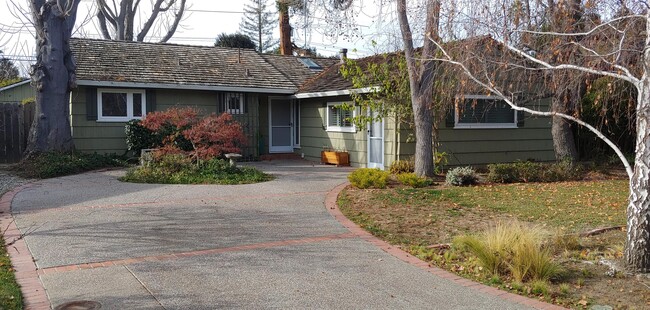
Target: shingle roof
331	79
137	62
295	70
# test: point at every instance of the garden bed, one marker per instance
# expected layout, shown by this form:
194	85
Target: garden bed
424	221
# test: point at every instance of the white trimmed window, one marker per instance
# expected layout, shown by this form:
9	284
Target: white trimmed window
120	105
340	119
484	112
234	103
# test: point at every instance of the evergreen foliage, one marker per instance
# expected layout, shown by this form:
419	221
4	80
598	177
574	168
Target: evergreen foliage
236	40
258	23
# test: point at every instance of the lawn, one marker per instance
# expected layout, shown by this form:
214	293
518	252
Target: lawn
10	296
423	221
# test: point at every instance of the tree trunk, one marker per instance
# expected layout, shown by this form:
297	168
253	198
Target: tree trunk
563	140
637	245
423	119
285	29
53	76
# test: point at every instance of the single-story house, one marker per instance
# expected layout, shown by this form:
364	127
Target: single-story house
286	104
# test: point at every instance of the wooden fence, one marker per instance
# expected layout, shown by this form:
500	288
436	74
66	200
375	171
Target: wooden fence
15	121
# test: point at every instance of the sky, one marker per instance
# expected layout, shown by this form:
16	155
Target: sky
203	21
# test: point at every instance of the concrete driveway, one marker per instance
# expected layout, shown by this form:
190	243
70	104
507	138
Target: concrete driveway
267	245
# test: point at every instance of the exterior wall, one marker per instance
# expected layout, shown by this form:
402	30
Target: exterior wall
479	147
109	137
17	94
314	137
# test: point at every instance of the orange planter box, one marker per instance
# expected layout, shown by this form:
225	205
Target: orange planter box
335	158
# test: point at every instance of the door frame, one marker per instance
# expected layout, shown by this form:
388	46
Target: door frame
383	145
282	149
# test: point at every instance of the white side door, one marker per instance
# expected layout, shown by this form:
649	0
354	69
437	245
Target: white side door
376	143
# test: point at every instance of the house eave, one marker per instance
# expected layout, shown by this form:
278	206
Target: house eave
14	85
334	93
186	87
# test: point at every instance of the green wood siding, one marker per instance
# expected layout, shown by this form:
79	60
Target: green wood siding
479	147
314	137
109	137
17	94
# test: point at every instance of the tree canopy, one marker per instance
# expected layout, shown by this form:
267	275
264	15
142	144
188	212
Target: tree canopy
236	40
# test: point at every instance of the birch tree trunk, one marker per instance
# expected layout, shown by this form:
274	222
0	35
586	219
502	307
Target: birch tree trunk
564	142
637	245
53	75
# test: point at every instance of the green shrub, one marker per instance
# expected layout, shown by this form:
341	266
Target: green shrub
460	176
181	169
412	180
533	172
402	166
440	161
539	287
54	164
512	249
139	137
369	178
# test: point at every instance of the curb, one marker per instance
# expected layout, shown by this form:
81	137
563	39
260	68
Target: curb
333	209
34	295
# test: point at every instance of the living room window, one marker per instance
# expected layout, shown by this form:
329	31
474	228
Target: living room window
484	112
339	117
120	105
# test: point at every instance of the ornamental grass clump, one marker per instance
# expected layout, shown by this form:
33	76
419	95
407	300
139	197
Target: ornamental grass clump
512	249
369	178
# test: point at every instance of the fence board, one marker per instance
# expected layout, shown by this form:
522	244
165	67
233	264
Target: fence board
15	121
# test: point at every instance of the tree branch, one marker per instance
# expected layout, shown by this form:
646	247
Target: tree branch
502	96
177	19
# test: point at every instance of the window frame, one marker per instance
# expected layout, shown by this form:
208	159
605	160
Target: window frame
458	125
352	128
242	99
129	104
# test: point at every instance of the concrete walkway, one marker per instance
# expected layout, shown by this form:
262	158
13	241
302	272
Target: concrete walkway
267	245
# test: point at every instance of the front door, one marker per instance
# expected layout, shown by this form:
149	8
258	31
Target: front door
281	126
375	142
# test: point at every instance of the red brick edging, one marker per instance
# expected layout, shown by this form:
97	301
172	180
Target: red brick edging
34	295
333	209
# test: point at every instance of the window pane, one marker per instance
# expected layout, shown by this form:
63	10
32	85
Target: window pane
346	118
234	103
486	111
137	105
333	116
114	104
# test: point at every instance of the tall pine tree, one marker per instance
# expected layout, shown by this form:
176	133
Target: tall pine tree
258	23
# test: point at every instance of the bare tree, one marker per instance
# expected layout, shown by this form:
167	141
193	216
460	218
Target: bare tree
117	18
53	75
613	52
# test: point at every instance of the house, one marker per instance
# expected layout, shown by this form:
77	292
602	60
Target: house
120	80
16	92
286	104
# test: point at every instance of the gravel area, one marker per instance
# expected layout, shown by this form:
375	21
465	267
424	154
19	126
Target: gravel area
9	181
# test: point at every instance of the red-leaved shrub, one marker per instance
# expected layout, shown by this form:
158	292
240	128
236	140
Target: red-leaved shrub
182	131
215	135
181	118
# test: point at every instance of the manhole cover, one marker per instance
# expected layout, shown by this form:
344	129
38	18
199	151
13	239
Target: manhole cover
79	305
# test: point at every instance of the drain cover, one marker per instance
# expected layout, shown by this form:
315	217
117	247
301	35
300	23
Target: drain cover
79	305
